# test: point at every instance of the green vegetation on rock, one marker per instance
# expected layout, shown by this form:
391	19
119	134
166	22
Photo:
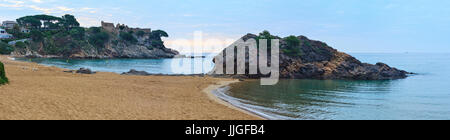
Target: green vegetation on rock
77	33
140	33
37	35
5	48
128	36
3	79
98	37
63	37
50	22
20	45
292	46
155	36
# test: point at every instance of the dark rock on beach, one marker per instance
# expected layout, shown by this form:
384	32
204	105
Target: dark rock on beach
135	72
85	71
310	59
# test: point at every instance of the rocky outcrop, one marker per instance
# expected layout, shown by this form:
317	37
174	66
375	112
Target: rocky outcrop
61	45
316	60
125	51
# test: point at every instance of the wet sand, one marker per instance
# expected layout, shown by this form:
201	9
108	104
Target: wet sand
37	92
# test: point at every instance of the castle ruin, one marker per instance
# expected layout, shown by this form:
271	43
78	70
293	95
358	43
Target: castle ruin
122	27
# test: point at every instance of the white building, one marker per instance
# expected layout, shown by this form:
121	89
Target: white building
4	34
9	24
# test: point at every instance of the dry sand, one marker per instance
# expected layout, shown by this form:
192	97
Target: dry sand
38	92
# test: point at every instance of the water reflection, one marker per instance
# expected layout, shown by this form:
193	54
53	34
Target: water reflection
310	99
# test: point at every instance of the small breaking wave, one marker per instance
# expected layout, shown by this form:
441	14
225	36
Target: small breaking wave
246	105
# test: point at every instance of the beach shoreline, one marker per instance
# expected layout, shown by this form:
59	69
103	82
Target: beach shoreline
210	93
38	92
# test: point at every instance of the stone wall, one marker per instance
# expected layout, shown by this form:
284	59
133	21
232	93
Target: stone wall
115	29
108	26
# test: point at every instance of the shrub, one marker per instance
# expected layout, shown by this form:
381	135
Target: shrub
7	40
95	30
77	33
99	37
20	45
37	35
5	48
293	46
128	37
157	43
157	34
140	33
121	27
3	79
265	35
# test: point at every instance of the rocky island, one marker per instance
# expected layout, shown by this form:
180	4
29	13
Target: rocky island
62	37
302	58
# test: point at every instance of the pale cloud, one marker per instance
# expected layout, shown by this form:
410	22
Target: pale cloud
201	43
65	9
11	3
87	9
88	21
38	5
36	1
43	10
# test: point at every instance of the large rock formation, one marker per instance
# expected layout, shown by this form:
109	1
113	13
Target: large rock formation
310	59
96	42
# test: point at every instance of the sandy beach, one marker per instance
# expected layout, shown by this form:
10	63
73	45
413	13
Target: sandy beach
37	92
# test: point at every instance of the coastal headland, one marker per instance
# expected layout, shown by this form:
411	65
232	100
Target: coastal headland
39	92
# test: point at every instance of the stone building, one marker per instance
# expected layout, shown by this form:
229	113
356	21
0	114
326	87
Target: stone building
9	24
108	26
122	27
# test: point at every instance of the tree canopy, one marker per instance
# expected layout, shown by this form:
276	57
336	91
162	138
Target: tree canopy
159	34
293	46
70	21
266	35
128	36
5	48
51	22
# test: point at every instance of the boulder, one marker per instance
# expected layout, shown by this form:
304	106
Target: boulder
135	72
85	71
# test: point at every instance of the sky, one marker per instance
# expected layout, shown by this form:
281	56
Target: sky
369	26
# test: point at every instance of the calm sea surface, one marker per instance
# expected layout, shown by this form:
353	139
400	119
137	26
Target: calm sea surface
154	66
422	96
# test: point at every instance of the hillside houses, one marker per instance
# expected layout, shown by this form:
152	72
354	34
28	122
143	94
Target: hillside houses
4	34
9	24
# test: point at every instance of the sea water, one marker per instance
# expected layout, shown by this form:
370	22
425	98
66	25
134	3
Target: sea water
422	96
196	65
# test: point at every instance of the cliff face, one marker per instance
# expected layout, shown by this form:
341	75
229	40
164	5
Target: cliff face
316	60
95	43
